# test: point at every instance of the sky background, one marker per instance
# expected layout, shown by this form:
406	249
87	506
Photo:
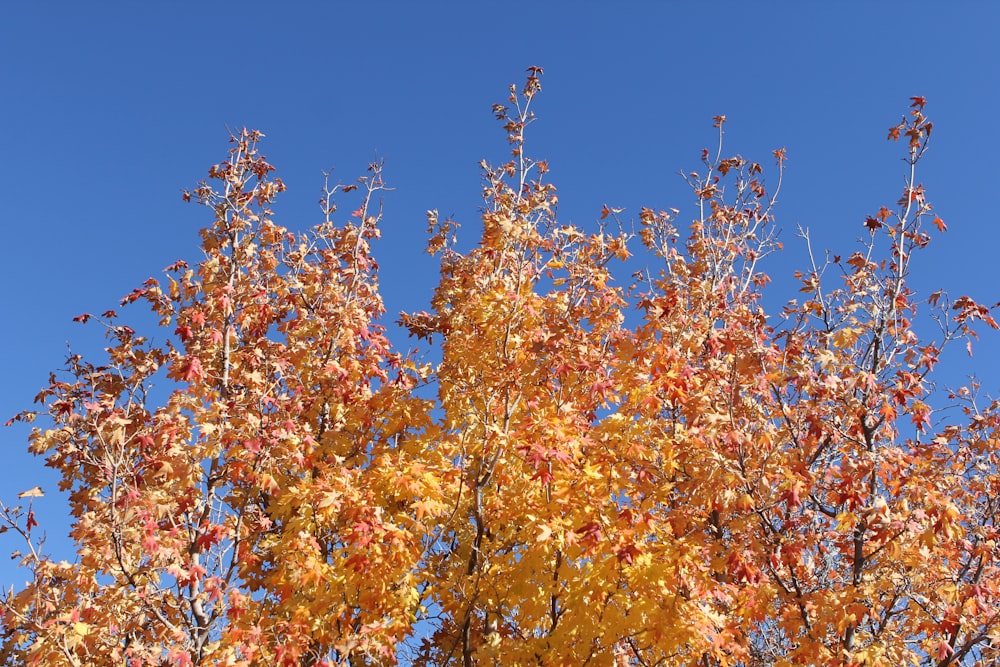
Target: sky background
109	110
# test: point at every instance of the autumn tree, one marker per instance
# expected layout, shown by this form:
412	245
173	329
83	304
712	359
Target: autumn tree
622	453
242	521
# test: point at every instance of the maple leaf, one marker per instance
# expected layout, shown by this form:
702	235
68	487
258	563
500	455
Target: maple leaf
191	370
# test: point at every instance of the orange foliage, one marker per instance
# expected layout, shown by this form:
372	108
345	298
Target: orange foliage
610	474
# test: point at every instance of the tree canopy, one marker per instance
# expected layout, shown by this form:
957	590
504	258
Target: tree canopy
619	453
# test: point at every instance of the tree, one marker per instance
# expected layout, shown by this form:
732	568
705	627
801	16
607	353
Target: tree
654	473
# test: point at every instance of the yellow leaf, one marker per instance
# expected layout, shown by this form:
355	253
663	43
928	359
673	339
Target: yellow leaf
330	498
81	628
31	493
846	522
845	337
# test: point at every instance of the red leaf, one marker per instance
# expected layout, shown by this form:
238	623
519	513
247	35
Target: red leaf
184	332
627	553
944	649
192	370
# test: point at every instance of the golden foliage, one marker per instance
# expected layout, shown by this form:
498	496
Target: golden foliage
656	473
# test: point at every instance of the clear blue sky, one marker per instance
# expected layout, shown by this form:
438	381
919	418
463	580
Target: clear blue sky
108	110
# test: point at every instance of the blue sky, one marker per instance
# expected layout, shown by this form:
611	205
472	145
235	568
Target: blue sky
109	110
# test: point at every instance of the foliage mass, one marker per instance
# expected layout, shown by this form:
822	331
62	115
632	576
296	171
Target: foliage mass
594	472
